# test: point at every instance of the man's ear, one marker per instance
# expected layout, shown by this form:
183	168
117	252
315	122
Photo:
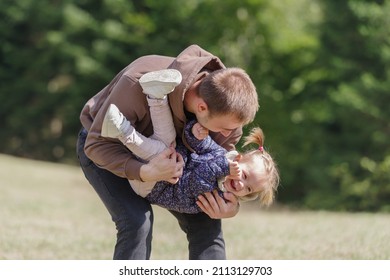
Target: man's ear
202	107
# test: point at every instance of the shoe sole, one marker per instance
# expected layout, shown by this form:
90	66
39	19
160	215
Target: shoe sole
165	76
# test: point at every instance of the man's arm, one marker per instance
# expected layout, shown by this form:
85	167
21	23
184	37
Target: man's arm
111	154
167	166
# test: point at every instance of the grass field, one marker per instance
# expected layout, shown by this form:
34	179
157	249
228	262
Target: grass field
49	211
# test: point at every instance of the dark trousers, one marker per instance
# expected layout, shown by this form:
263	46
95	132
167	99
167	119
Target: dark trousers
133	216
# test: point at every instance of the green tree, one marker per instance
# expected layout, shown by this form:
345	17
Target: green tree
341	112
55	55
321	69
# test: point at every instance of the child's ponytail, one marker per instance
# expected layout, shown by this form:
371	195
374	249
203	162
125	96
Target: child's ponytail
256	136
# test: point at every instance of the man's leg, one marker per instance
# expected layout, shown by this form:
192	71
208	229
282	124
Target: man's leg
204	236
131	213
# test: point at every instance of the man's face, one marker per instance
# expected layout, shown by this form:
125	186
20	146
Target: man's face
223	124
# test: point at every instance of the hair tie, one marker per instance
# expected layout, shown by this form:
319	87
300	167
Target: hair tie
261	149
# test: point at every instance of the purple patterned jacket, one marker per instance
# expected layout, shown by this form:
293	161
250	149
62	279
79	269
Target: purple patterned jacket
201	172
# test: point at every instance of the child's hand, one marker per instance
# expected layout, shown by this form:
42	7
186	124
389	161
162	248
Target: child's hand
234	168
199	131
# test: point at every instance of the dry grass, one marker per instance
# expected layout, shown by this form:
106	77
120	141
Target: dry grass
48	211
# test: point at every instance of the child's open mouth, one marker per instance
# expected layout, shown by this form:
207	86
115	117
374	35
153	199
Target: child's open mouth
232	184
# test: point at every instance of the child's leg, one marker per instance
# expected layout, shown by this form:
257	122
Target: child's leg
142	188
115	125
163	128
157	85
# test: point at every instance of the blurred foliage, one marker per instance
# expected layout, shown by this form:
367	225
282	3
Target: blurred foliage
341	110
321	68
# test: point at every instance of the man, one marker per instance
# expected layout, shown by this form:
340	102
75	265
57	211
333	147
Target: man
208	90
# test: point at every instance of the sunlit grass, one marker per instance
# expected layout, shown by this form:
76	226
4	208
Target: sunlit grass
49	211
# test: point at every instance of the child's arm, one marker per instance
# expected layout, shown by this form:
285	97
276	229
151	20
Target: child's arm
234	169
198	139
199	131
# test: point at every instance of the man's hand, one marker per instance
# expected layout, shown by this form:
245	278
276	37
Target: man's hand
199	131
167	166
217	207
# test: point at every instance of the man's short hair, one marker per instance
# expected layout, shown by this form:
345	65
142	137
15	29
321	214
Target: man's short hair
230	91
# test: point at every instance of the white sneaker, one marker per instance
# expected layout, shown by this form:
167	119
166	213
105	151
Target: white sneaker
158	84
112	122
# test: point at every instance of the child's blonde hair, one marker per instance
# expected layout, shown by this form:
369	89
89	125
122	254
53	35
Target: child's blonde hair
271	178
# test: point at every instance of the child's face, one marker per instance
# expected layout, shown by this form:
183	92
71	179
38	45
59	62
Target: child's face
250	180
